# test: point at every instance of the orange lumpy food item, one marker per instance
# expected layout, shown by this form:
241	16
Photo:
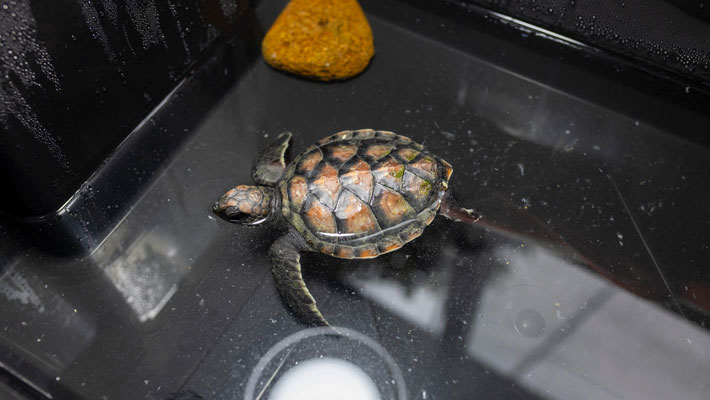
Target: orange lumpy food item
320	39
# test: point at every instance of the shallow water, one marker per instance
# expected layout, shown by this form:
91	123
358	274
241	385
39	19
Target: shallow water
583	280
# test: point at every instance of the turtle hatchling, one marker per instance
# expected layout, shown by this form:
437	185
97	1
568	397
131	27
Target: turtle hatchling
354	194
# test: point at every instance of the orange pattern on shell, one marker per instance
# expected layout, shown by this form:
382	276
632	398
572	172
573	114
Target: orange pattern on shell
378	151
355	216
359	180
344	252
297	192
395	209
388	244
326	186
367	253
389	174
343	152
426	166
418	188
392	247
319	217
309	161
407	154
412	234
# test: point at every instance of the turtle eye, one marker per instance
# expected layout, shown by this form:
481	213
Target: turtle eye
232	214
237	218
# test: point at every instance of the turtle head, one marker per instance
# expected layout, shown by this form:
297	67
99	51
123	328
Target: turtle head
246	205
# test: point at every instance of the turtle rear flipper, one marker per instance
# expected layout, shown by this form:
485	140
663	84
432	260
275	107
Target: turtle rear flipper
286	267
451	209
270	163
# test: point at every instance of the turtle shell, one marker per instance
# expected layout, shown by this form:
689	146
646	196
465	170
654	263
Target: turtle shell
359	194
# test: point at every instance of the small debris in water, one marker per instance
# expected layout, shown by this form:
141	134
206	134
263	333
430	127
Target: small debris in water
449	135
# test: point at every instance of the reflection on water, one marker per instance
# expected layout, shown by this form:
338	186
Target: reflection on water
422	305
39	320
602	342
146	273
532	306
549	324
16	288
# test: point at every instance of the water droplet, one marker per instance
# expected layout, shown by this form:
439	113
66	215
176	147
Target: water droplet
529	323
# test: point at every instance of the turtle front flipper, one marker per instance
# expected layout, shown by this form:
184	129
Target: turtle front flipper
286	267
270	163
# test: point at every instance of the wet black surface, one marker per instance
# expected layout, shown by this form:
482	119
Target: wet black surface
77	77
586	279
671	36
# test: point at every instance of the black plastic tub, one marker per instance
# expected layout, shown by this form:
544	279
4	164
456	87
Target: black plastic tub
586	278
